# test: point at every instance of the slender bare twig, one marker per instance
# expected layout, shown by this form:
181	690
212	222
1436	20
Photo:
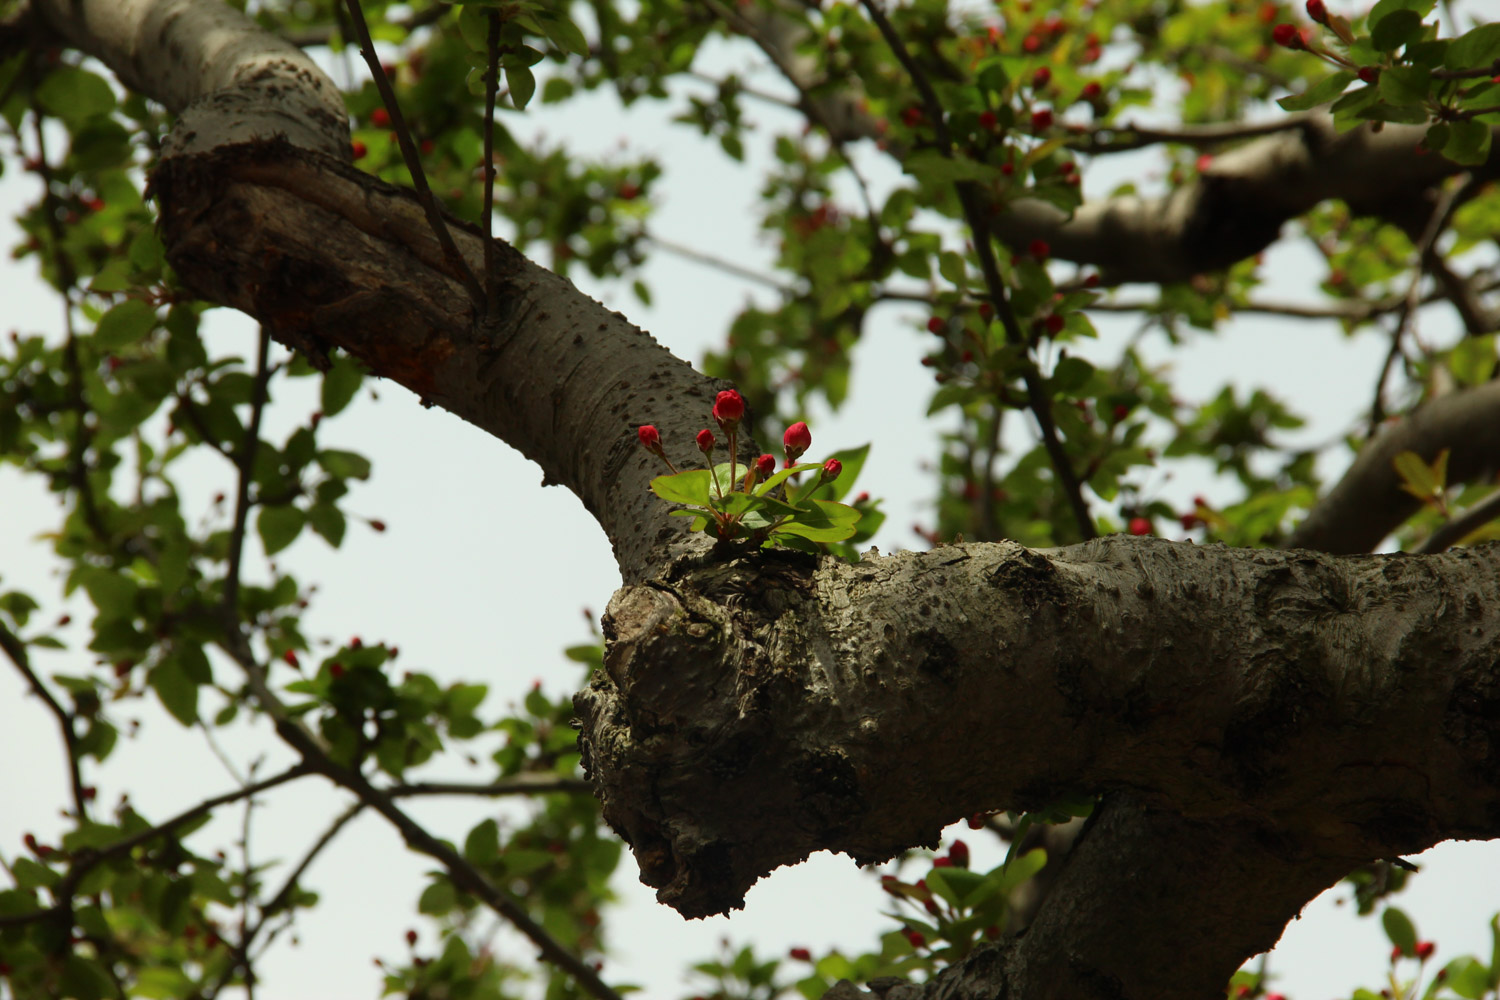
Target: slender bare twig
456	262
1451	197
1121	138
1465	524
1039	399
727	266
86	861
521	784
245	459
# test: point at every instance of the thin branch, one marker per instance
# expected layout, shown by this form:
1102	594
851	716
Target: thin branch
16	650
1461	527
456	262
246	462
1450	198
521	784
1040	401
727	266
85	861
323	34
1138	136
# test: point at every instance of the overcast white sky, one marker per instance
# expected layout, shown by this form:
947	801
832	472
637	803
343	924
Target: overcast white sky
485	575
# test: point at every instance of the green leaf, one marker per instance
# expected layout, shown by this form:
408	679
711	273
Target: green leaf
124	324
340	383
1071	374
522	85
438	898
1400	930
1324	90
1479	47
344	464
161	982
825	521
74	94
565	34
279	526
777	478
1398	28
85	979
178	692
1405	85
482	846
1468	142
1468	978
933	167
689	487
328	521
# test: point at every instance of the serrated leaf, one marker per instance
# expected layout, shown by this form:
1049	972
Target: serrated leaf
279	526
1405	85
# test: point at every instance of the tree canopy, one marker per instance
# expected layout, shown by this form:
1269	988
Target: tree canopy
1180	719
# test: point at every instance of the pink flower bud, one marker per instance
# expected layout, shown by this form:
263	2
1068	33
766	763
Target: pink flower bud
650	437
1317	11
706	440
796	440
765	465
832	469
728	408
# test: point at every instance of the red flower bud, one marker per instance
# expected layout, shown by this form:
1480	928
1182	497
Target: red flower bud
796	440
1039	249
765	465
359	149
290	656
832	469
411	937
800	954
1317	11
942	862
728	408
936	325
706	441
1425	950
380	118
1140	526
650	437
1043	76
976	821
915	938
1054	323
959	852
1369	74
1091	90
1287	36
1041	119
988	121
336	669
377	524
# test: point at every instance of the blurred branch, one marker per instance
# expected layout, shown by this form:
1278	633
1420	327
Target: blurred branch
16	650
521	784
1465	524
719	263
86	860
1102	138
245	461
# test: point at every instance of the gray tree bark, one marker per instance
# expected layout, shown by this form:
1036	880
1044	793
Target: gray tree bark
1260	722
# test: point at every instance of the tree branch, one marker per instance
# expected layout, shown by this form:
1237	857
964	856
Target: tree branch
1465	524
1368	503
15	649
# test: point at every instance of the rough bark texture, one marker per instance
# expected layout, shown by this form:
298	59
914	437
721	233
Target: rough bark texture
1333	710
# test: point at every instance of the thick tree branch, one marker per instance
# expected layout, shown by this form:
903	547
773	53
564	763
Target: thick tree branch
1368	503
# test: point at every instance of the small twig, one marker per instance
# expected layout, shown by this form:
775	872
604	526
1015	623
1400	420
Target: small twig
413	162
1139	136
727	266
86	861
16	650
521	784
245	460
1465	524
1453	196
1040	401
